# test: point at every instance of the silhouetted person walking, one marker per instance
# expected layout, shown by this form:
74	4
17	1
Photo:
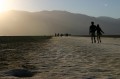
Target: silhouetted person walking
99	33
92	31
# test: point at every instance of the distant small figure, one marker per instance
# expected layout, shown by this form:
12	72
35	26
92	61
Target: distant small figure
55	34
99	33
66	34
61	35
92	31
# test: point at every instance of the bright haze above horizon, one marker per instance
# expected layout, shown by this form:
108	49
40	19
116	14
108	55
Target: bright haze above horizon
94	8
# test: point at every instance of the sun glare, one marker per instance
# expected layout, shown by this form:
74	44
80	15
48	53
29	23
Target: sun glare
3	6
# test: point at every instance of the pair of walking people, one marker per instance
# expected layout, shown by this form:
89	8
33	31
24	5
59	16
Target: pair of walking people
92	31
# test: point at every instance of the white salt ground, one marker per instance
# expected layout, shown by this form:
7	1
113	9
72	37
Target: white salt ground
75	58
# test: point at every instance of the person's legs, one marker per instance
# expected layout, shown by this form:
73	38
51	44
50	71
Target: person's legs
92	38
100	39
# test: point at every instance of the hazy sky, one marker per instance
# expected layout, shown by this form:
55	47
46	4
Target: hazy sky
90	7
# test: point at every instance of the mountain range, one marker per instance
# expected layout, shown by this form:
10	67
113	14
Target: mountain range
51	22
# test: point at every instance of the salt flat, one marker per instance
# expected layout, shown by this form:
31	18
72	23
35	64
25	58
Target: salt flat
66	58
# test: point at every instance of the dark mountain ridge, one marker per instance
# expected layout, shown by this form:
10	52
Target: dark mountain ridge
50	22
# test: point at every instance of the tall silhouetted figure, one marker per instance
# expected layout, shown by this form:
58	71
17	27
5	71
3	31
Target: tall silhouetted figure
92	31
99	33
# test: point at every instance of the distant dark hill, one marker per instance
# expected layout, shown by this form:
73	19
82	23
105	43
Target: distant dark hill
50	22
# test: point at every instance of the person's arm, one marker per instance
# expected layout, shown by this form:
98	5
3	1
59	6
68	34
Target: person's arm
101	30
